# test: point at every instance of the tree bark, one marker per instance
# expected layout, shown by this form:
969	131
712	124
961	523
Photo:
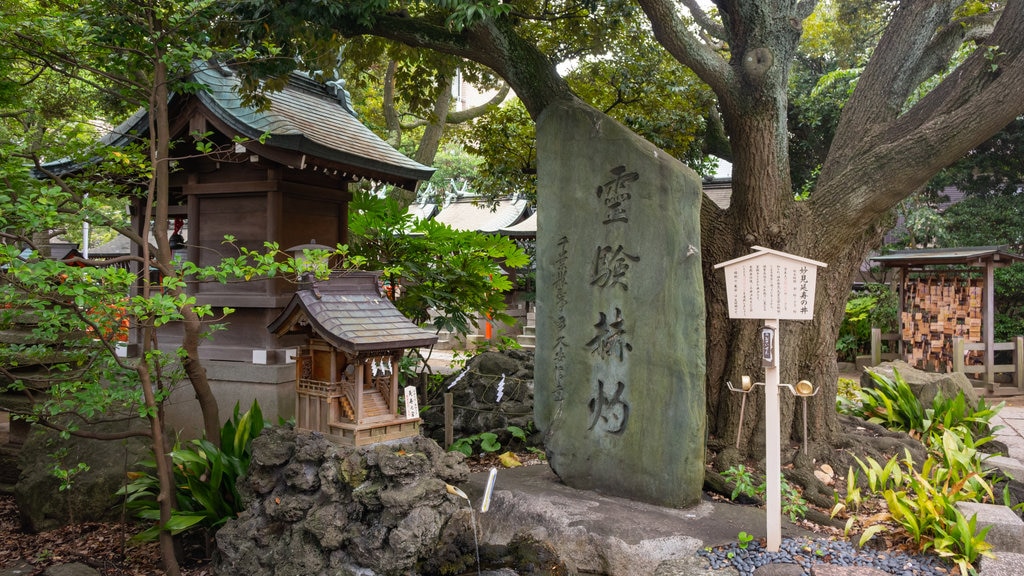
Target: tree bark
191	324
159	192
164	472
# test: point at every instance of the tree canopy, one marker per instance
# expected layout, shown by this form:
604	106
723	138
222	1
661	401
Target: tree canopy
933	81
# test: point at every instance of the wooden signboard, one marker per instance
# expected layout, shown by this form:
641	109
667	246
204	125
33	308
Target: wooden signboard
770	284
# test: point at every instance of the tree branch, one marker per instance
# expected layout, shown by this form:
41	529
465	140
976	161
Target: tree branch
712	28
687	49
969	106
93	434
492	43
461	116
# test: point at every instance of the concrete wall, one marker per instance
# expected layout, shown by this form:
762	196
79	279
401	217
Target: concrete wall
272	385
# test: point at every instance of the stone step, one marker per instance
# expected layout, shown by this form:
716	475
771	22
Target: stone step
529	330
1008	466
1006	529
526	340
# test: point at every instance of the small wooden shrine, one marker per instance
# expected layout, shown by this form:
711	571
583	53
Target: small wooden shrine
946	293
347	371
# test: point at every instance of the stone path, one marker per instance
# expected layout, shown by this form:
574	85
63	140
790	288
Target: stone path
1012	434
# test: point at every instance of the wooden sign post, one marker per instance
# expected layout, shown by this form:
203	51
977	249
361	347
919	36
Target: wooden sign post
771	286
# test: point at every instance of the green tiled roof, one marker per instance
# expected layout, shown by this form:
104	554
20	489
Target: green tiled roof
974	255
306	117
351	314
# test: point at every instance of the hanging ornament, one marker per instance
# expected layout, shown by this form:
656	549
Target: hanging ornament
501	389
459	377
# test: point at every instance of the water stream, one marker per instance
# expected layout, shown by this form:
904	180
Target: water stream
485	504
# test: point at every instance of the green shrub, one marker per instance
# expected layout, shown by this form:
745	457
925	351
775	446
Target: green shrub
923	503
892	404
793	503
846	390
877	307
204	477
488	443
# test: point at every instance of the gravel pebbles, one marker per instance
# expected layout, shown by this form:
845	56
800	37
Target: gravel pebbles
806	553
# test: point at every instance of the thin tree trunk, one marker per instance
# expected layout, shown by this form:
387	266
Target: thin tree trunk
164	469
196	372
391	120
191	323
431	139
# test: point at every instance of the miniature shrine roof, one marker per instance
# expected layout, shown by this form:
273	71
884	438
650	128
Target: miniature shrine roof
972	255
305	118
482	217
350	313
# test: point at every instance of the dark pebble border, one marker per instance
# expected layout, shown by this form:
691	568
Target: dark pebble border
806	553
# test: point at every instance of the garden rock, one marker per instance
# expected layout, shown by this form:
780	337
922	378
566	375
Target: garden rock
44	506
478	407
925	385
381	509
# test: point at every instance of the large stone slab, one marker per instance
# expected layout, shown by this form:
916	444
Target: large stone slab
1006	529
619	386
925	385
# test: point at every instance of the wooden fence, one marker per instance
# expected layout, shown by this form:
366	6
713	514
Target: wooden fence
961	348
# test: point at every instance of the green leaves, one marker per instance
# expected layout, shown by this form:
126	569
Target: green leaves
455	273
923	502
205	476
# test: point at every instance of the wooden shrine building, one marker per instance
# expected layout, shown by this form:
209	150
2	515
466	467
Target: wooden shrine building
946	293
282	173
347	370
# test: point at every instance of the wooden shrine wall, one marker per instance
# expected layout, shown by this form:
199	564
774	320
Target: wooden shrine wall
935	309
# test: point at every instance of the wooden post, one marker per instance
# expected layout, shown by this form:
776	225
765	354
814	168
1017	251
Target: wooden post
449	420
876	346
394	384
958	354
773	446
1018	362
989	323
362	375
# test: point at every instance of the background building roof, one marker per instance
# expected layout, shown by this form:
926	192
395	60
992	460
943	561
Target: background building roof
483	217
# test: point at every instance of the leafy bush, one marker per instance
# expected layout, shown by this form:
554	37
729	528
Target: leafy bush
877	307
488	441
793	503
923	503
205	478
892	404
846	389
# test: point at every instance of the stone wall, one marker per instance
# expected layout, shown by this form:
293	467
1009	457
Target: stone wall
316	508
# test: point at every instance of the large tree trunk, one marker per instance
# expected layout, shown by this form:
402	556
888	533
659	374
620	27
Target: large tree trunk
807	347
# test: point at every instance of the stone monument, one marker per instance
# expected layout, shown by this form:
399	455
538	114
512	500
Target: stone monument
619	383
